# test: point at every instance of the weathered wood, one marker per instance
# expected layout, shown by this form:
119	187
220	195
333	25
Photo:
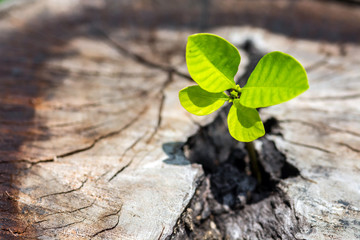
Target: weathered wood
91	130
321	137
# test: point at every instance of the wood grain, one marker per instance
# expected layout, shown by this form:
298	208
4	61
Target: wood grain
91	128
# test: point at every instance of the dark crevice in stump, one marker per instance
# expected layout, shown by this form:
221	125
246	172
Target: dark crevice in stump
229	204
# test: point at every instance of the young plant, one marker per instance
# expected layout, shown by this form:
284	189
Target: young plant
213	62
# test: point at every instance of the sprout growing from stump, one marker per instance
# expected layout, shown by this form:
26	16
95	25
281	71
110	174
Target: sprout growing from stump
213	62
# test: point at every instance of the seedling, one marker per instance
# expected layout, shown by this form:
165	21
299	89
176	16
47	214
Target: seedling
213	62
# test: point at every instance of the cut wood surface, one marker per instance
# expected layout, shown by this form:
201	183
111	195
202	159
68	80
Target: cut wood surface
91	127
90	130
320	135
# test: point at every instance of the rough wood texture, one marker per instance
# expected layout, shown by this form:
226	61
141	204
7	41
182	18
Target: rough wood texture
91	127
320	135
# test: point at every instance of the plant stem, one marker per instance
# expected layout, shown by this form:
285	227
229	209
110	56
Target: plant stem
253	160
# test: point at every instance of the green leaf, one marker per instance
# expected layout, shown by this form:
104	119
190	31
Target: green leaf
244	123
278	77
212	62
200	102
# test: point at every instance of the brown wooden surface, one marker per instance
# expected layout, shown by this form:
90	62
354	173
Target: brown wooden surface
86	127
91	127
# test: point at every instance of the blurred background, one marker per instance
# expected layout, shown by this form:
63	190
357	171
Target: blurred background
335	21
330	20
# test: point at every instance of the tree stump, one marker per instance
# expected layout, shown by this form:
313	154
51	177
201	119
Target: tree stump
92	130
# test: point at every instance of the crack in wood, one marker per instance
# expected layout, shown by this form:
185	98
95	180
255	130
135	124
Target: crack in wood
64	124
159	118
64	226
349	147
307	179
112	227
162	232
141	59
123	168
120	170
65	192
122	156
67	154
113	214
319	127
72	211
41	221
308	146
161	105
102	175
16	161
